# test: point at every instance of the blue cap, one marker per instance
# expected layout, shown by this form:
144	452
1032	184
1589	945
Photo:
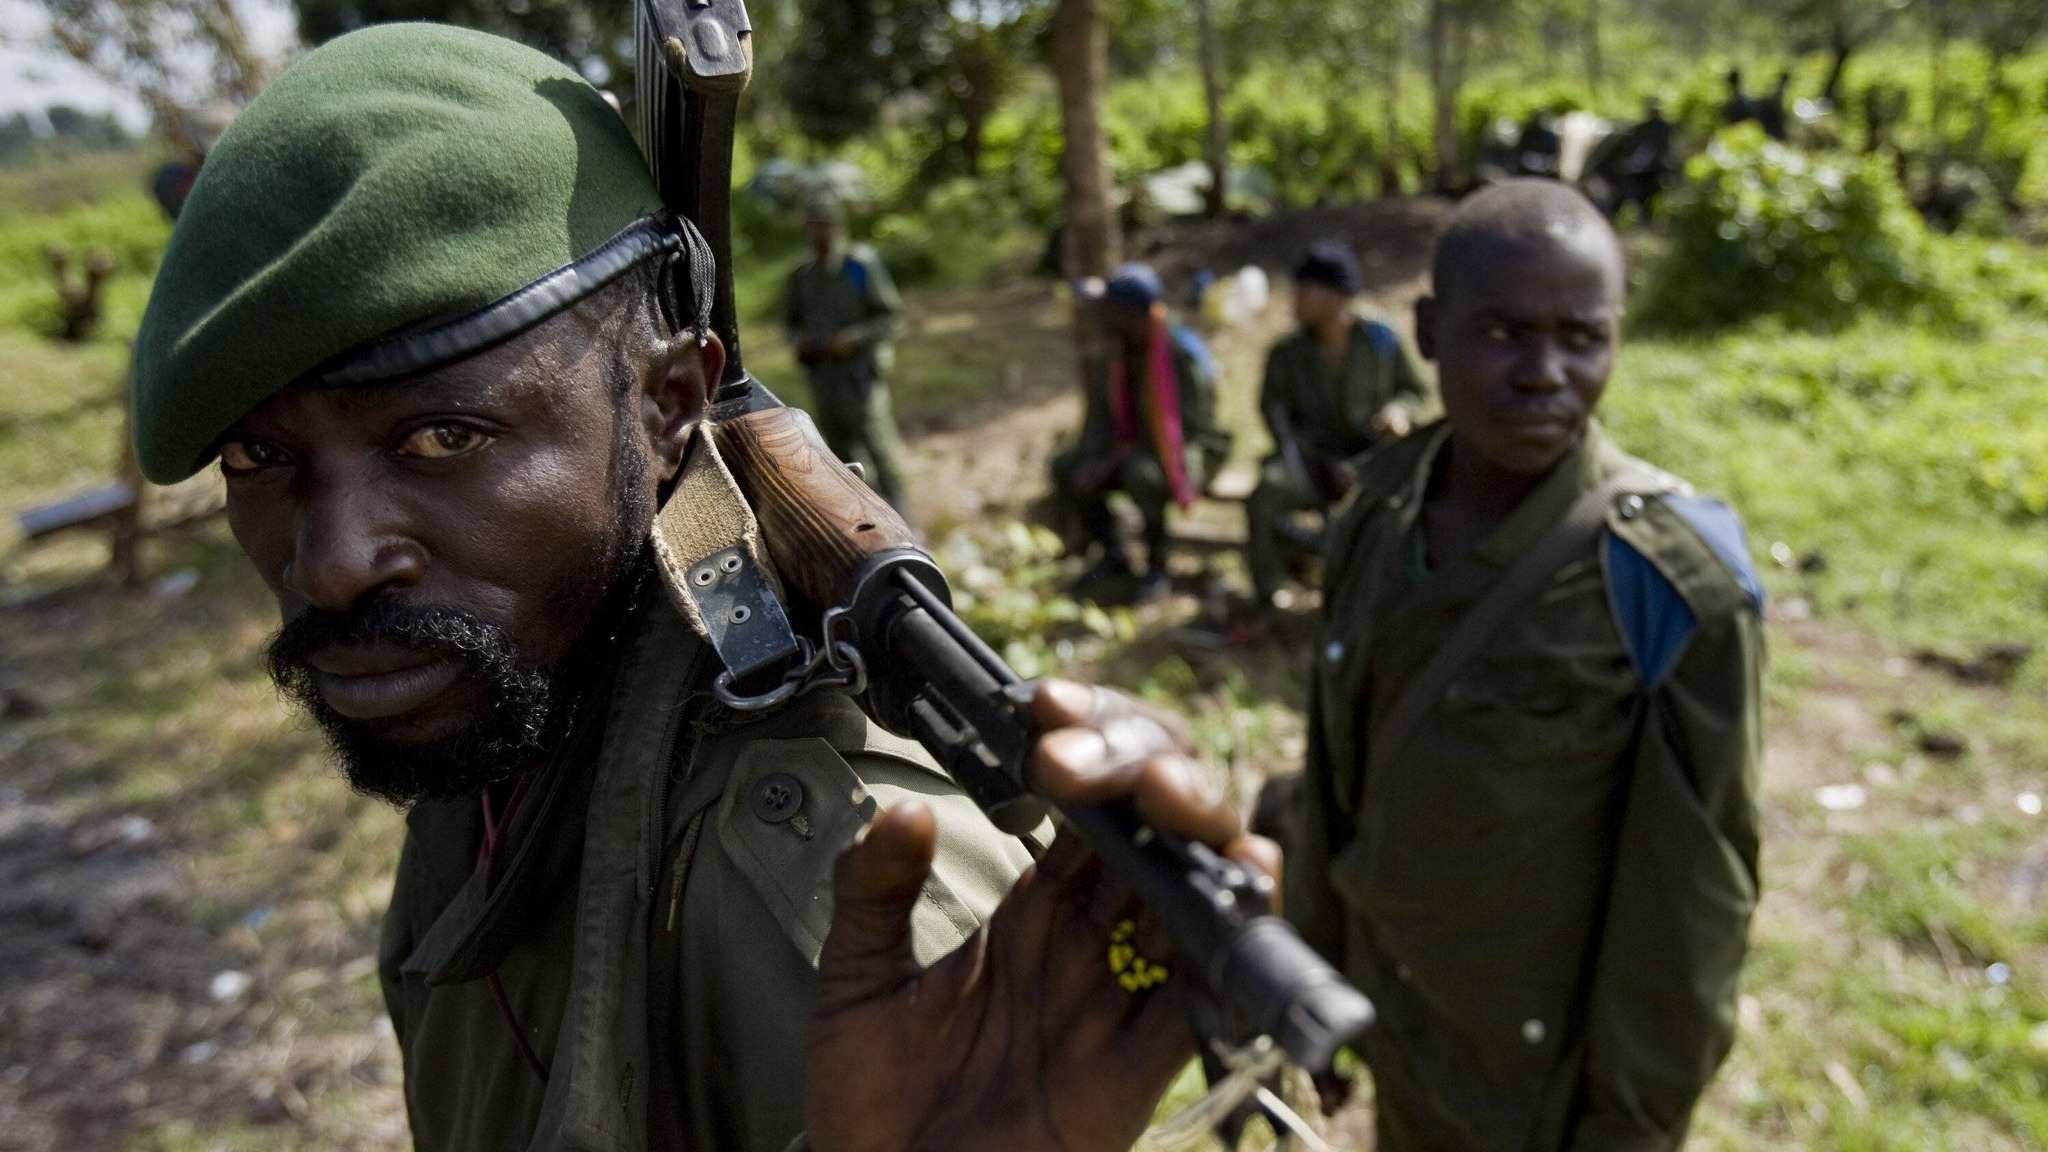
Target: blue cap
1135	283
1332	265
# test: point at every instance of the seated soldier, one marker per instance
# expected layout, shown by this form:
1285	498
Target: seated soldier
1333	388
1530	827
1150	428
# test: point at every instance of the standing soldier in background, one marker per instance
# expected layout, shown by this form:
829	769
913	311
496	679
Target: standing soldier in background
1150	429
1530	829
1334	387
841	311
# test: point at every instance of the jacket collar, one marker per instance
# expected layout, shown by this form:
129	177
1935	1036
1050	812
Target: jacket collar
1586	465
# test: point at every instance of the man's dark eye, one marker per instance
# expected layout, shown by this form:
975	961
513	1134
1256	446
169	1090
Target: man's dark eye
1496	331
250	455
1585	339
443	440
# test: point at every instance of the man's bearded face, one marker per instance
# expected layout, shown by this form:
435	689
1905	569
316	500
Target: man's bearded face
440	547
520	701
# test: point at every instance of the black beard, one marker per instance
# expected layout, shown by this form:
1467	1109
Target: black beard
527	707
522	701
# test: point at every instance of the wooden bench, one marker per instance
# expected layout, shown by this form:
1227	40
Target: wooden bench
129	509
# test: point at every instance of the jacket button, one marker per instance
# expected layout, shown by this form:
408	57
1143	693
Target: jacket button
1631	506
1402	973
1532	1031
1334	652
776	798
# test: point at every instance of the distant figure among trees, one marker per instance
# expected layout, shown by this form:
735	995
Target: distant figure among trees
80	313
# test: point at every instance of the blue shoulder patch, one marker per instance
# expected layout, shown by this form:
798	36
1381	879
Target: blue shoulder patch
1192	345
1655	620
1721	528
1385	340
856	273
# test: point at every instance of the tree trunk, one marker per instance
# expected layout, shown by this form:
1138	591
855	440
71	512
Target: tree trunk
1080	62
1218	197
1390	152
1838	63
1595	67
1443	82
1937	89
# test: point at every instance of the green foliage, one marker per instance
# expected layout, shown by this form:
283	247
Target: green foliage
1989	115
55	180
1000	587
596	38
129	227
964	231
1817	241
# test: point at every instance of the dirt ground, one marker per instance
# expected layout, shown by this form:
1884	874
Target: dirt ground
125	1021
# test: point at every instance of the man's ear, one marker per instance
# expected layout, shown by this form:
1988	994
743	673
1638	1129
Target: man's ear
1425	327
678	392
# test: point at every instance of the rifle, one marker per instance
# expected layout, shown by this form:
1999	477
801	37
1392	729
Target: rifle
1290	451
882	612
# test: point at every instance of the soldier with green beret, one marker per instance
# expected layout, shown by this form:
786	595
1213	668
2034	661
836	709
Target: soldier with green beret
1334	387
429	313
1531	824
841	311
1149	429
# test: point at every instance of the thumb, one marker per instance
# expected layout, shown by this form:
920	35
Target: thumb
875	889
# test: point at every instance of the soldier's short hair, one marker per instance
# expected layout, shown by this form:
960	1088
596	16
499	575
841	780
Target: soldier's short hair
1520	209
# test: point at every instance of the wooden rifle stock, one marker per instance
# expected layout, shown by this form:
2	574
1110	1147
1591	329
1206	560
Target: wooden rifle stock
823	527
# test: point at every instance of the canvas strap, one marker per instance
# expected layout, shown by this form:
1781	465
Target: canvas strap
1568	538
708	544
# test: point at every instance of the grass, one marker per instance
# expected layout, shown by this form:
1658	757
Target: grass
1907	468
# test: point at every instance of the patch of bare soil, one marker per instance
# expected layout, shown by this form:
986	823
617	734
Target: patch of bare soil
119	1015
1392	237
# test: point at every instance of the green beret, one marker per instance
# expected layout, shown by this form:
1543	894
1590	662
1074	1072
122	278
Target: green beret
401	197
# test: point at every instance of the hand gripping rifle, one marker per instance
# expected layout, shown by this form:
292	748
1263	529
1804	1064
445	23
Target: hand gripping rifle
881	609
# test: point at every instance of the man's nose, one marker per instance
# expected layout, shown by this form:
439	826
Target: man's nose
349	546
1541	367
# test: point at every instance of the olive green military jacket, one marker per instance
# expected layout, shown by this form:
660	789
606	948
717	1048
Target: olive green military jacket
1548	891
654	917
850	294
1331	410
1195	372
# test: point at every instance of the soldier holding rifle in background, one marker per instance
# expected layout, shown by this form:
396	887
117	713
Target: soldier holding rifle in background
842	311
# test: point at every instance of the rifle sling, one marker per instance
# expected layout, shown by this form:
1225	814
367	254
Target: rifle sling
1568	538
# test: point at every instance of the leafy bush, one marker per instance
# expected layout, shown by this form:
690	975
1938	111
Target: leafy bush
1814	240
963	231
1990	114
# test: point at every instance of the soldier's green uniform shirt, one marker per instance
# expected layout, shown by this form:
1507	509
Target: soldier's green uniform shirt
849	294
660	964
1547	893
1330	409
